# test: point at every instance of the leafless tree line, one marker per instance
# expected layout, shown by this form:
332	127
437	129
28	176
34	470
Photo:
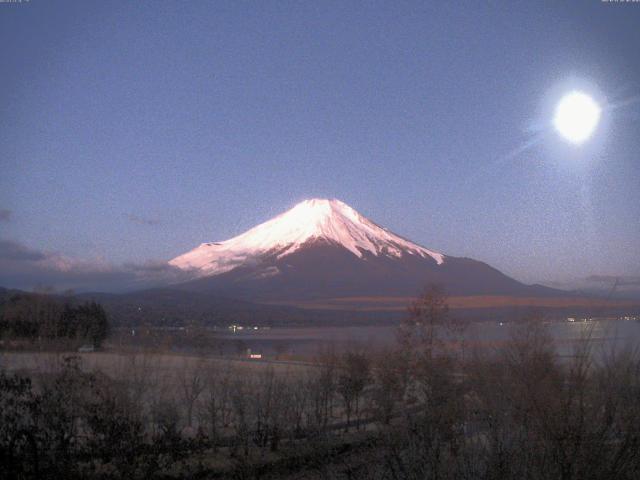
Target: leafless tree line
427	408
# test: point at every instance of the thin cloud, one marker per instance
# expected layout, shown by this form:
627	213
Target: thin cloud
13	251
622	286
142	220
613	280
5	214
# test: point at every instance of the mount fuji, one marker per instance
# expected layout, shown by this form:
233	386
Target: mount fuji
324	249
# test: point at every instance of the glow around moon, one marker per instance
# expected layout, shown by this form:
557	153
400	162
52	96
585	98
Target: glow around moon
576	117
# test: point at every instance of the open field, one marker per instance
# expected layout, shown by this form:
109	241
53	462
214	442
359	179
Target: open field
120	365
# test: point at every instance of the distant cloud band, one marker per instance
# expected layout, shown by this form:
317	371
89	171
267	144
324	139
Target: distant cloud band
26	268
611	280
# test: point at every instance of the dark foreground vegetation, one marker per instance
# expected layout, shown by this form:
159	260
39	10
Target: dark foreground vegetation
54	321
428	408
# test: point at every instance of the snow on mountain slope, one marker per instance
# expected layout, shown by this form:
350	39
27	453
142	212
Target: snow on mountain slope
329	220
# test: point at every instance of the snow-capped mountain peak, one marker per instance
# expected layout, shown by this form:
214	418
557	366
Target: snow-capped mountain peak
317	219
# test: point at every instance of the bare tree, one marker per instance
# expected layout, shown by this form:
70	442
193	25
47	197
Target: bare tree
391	378
321	385
353	377
216	405
418	333
299	401
191	385
239	395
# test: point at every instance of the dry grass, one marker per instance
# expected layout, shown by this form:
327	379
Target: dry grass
119	365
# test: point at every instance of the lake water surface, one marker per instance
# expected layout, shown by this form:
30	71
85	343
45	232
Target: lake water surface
308	340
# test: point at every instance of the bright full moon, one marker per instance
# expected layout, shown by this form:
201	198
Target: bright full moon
576	116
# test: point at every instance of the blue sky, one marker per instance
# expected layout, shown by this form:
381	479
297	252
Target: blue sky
130	132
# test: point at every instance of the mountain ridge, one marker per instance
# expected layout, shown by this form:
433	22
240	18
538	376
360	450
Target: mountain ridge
324	248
